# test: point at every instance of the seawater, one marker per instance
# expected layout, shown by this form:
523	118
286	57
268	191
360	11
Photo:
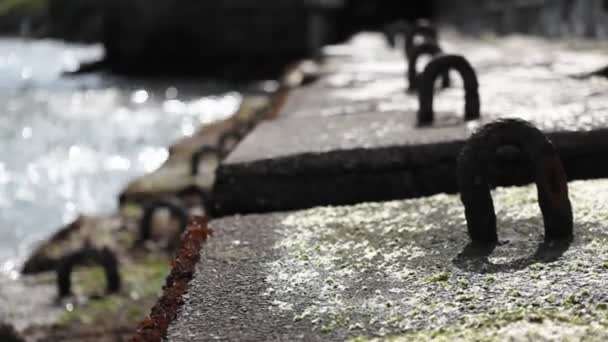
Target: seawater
69	145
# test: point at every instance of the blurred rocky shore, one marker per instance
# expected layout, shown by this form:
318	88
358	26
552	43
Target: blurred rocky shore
76	21
169	37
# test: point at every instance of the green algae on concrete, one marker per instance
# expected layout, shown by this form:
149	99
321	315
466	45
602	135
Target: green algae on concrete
523	324
384	269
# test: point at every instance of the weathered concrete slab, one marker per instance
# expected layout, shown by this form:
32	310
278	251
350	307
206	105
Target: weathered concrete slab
365	74
360	141
297	162
354	78
401	269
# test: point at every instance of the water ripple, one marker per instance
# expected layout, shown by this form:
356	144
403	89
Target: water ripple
70	145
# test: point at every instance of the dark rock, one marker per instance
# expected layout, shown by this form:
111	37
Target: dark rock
198	36
26	18
77	20
9	334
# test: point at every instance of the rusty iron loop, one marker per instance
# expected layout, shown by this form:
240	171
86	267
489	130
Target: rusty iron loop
422	28
546	168
194	190
234	135
200	154
438	66
243	127
104	257
205	196
393	30
428	48
175	210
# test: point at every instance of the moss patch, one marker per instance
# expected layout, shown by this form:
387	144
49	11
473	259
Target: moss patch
518	325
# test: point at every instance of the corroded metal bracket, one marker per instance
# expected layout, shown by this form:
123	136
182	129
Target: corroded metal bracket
104	257
195	192
424	29
393	30
176	211
474	177
201	154
229	140
438	66
428	48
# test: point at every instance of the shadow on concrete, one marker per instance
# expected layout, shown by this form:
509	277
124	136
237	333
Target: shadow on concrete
475	256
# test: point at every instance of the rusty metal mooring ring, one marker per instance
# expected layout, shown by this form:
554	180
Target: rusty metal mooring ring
245	126
393	30
474	176
205	196
176	211
233	136
200	155
194	190
428	48
422	28
104	257
439	65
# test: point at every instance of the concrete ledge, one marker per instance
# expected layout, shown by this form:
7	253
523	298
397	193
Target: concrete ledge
352	137
296	163
402	269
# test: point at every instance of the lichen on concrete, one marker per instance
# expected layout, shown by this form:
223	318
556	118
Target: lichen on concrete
519	325
405	267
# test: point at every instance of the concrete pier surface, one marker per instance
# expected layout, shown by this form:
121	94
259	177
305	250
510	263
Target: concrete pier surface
355	234
352	136
401	270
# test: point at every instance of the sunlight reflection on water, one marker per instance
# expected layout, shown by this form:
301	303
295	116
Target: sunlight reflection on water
70	145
